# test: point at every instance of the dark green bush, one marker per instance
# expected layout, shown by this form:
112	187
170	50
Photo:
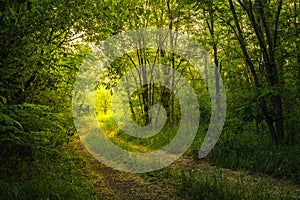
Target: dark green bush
35	162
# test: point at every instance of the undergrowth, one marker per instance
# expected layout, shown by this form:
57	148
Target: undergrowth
35	162
257	154
201	185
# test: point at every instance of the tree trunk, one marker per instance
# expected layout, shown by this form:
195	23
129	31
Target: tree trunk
268	47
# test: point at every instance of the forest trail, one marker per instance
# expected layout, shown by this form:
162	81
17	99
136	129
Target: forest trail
113	184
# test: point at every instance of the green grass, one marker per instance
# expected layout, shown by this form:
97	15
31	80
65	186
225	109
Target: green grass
257	154
201	185
44	179
135	144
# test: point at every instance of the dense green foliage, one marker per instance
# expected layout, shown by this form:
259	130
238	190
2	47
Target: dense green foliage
38	65
35	161
253	44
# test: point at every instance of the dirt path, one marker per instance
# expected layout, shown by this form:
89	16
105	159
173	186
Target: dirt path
113	184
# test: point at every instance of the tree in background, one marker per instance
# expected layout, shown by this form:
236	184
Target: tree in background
266	39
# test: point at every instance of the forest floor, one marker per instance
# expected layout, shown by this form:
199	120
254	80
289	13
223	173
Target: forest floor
113	184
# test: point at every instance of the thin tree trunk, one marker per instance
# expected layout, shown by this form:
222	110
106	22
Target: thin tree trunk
277	131
210	23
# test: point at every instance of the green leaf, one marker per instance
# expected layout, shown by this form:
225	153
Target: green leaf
8	120
3	100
